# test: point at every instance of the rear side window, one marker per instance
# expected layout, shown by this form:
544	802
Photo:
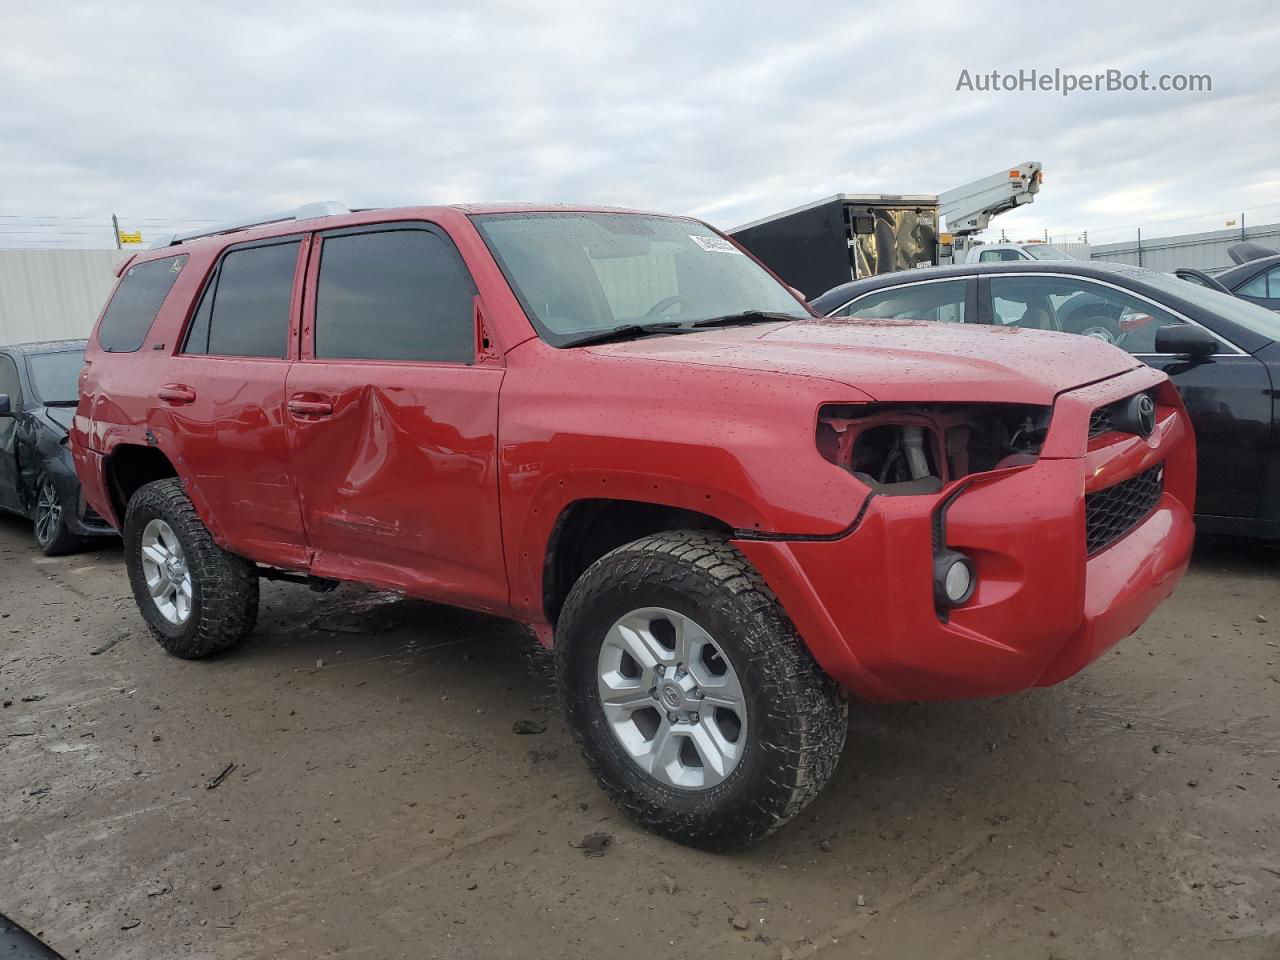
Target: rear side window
136	302
393	295
245	308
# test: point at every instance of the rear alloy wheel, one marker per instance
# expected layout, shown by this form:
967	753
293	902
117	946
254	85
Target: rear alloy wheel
165	568
197	598
700	710
52	533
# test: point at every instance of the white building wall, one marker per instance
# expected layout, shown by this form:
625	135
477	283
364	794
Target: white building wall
53	294
1201	251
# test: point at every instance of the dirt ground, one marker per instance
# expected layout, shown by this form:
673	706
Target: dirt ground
349	784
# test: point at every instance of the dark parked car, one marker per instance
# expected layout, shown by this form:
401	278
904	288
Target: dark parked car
1220	351
37	478
1255	277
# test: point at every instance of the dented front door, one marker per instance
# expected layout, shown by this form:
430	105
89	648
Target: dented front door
393	420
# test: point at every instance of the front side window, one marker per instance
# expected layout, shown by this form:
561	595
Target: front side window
584	273
244	311
1072	305
56	377
394	295
941	302
1256	319
136	302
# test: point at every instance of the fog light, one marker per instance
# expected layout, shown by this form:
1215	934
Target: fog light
954	578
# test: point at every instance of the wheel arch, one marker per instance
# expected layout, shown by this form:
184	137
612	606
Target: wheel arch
130	466
586	529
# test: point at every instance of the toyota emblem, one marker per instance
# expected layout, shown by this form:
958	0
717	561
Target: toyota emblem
1144	414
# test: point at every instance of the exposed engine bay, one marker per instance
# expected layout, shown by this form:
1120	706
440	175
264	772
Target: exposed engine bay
911	450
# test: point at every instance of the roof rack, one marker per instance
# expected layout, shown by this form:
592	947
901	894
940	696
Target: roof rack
308	211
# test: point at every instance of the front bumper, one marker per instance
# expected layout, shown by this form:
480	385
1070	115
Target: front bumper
1043	608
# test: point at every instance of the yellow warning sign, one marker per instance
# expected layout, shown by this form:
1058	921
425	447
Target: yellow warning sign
131	237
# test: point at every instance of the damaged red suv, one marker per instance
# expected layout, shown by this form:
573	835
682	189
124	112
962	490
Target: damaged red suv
724	512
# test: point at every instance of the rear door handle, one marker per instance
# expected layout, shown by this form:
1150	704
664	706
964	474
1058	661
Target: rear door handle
301	407
176	393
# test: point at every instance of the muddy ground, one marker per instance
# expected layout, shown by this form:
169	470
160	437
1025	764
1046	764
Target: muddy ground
349	784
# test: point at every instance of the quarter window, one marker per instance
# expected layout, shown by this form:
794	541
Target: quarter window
137	300
394	295
941	302
245	308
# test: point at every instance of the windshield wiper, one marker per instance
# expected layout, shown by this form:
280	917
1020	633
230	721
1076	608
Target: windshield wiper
62	403
627	332
746	316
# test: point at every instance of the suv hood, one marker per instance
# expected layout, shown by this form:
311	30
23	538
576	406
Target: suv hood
901	360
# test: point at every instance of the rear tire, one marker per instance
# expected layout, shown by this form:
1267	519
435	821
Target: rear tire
794	716
196	598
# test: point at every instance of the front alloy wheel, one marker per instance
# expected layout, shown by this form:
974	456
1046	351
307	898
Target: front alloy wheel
52	533
672	699
700	710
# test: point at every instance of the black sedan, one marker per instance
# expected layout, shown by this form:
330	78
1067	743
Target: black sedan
1222	352
37	477
1255	277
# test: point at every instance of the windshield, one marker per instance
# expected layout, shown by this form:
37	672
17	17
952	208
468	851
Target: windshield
55	375
1259	320
1044	251
579	274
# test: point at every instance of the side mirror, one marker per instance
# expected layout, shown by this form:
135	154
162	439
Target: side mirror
6	408
1186	340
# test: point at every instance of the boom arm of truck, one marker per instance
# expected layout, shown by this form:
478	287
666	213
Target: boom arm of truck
969	209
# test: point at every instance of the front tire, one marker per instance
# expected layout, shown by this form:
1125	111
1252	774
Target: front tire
53	535
196	598
700	710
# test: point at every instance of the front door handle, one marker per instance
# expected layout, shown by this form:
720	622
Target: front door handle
176	393
301	407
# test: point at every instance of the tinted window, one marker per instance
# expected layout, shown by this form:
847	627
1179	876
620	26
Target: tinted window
136	302
987	256
942	302
393	295
56	376
1257	287
245	308
10	384
1072	305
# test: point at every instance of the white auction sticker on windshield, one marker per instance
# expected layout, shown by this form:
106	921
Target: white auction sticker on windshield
714	244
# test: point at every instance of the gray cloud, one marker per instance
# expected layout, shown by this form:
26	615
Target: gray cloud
726	110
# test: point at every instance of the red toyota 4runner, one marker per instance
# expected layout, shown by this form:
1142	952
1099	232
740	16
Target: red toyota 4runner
723	511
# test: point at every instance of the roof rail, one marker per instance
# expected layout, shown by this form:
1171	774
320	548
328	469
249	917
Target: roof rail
308	211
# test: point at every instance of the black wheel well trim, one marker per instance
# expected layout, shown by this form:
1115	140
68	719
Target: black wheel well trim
808	537
586	529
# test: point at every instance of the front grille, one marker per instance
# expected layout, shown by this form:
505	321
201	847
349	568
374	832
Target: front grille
1099	422
1113	512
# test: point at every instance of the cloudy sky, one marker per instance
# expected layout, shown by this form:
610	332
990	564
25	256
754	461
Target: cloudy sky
726	110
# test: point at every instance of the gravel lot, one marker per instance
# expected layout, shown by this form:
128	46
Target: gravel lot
349	784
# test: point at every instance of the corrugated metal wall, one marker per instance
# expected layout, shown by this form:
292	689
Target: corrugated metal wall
1198	250
53	294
